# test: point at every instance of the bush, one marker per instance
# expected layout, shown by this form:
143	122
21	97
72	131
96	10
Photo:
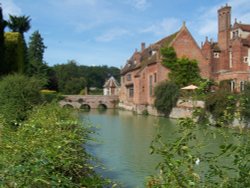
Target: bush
166	96
18	95
189	161
221	104
47	151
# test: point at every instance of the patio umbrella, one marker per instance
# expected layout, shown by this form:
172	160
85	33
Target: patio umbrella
190	87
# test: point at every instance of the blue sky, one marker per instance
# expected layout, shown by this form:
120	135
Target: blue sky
107	32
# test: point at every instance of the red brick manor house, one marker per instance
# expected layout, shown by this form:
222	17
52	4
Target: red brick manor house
227	59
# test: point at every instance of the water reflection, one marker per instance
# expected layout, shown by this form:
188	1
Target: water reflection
126	139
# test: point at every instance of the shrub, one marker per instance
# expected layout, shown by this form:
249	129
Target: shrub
47	151
189	161
166	96
18	95
221	104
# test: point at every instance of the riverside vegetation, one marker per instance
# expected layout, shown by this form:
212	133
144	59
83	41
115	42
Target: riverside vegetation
42	145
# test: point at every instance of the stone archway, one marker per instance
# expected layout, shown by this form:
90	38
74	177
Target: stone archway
68	106
85	107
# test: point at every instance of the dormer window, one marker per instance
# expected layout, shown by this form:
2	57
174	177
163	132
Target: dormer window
129	77
216	55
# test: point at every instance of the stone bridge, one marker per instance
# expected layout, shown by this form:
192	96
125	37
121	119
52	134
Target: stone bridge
89	101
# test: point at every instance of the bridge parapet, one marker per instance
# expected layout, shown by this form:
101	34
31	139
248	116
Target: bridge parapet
91	101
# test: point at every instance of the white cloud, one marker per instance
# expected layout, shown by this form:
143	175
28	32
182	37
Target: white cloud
112	34
166	26
9	7
139	4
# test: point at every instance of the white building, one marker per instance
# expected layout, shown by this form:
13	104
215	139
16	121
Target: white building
111	87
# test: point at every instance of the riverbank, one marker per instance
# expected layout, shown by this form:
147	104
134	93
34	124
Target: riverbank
183	109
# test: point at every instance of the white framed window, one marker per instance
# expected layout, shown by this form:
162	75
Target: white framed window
216	55
245	59
242	85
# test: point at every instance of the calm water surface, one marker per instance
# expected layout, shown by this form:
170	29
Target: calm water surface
123	144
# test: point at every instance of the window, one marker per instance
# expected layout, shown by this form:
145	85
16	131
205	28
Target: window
245	59
232	86
129	77
131	91
242	85
216	55
150	85
155	77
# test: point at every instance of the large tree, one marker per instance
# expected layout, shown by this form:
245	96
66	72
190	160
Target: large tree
36	49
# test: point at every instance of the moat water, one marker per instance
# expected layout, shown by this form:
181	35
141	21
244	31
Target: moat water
123	144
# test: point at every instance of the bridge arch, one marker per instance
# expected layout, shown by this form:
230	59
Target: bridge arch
68	106
85	107
102	106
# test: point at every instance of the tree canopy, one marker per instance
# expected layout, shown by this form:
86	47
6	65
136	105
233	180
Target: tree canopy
19	24
36	49
82	76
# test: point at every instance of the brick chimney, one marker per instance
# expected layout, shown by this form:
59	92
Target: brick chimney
143	45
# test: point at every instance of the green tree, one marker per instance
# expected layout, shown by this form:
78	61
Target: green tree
2	26
166	96
183	71
14	53
36	49
20	24
18	95
74	85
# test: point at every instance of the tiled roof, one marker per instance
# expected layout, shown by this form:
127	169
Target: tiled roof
243	27
148	55
111	82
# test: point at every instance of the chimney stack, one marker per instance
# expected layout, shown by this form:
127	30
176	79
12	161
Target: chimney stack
143	45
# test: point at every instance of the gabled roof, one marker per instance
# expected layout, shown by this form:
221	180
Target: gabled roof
111	82
243	27
147	55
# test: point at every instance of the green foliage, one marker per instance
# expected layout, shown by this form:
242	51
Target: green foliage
14	53
245	103
47	151
18	95
51	96
20	24
69	74
36	49
186	162
2	26
222	106
183	71
166	96
74	85
169	57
